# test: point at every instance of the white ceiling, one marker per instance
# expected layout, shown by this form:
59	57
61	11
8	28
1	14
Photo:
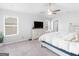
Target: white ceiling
70	7
24	7
39	7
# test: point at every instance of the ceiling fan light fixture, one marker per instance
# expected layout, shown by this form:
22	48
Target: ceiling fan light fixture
49	12
52	9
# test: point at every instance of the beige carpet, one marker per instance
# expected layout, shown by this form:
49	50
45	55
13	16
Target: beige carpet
26	48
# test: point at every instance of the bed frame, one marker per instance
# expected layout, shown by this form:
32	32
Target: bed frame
57	50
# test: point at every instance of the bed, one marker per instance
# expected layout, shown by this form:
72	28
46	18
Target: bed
62	43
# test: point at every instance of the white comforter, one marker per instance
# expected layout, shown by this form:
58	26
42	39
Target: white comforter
60	40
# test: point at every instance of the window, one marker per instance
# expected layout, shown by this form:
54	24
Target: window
11	25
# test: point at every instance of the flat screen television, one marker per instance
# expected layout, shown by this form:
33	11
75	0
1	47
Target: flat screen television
38	24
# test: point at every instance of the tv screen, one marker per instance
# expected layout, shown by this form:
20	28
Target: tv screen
38	24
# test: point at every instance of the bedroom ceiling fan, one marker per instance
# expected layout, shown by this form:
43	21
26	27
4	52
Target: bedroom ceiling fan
52	10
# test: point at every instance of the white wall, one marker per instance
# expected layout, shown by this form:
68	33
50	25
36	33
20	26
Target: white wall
65	19
25	25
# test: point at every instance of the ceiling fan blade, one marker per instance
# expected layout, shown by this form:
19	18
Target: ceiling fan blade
57	10
53	13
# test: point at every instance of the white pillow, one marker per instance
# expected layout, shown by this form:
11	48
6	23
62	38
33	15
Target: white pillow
73	37
70	37
76	34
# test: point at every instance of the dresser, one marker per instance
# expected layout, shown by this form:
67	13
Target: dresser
36	33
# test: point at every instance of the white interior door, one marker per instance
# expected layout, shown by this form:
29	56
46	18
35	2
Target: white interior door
55	26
